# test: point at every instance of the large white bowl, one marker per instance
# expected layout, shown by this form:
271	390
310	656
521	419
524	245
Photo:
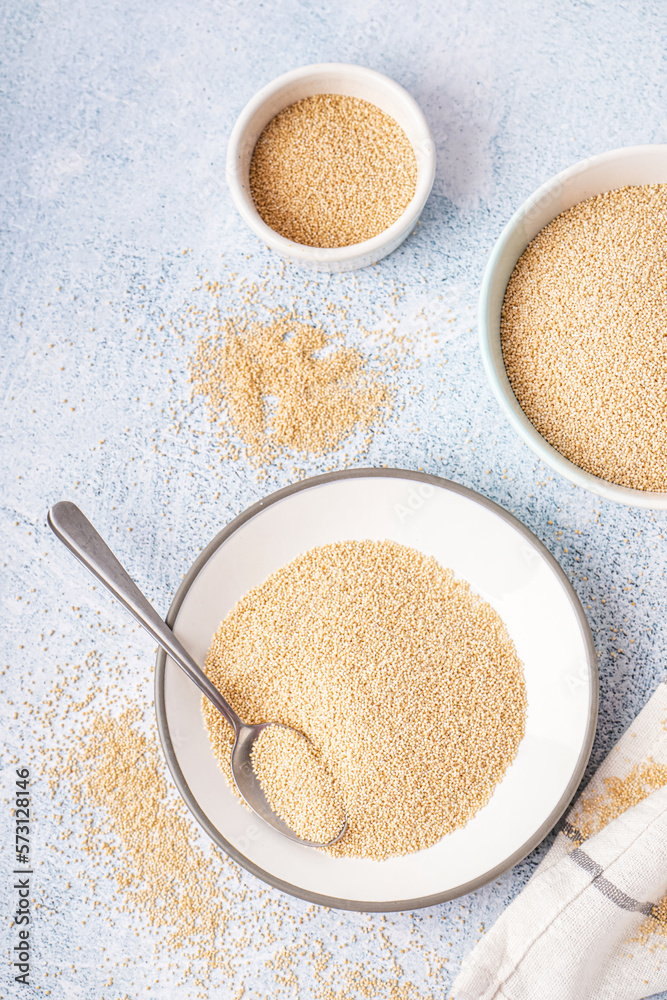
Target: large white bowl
507	566
330	78
620	167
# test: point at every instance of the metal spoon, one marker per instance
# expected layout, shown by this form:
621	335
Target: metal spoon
75	531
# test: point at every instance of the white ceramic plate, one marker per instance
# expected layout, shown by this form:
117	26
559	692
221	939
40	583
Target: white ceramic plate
507	566
634	165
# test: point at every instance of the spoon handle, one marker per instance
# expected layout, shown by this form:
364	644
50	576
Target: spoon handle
75	531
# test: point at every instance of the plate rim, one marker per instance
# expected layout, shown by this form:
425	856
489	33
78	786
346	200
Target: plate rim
374	906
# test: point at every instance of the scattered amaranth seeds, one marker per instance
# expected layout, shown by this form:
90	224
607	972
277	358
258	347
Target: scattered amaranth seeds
116	768
599	808
332	170
584	335
407	684
189	904
298	787
283	386
656	924
303	950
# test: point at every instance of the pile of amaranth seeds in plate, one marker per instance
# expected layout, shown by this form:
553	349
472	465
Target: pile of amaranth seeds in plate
405	681
331	171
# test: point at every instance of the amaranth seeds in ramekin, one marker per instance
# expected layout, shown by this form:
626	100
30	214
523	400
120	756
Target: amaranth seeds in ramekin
332	171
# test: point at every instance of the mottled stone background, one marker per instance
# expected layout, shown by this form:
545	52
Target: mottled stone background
115	118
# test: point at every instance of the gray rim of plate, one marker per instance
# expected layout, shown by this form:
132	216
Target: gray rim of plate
387	905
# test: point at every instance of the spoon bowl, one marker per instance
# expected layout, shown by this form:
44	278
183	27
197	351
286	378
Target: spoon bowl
248	783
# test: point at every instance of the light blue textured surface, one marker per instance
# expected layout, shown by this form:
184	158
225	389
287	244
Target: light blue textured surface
115	118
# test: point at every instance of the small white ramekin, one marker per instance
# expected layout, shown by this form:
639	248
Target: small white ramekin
634	165
330	78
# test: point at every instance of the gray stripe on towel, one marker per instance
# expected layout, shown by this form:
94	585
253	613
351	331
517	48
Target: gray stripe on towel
571	831
606	887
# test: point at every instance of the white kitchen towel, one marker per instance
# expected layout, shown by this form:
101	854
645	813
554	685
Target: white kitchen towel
592	922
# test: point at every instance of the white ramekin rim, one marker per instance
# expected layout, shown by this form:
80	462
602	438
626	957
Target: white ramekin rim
325	256
496	372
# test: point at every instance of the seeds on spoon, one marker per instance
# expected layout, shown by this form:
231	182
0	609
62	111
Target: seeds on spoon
297	785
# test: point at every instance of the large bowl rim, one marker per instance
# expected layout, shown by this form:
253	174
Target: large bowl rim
403	904
500	383
330	255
